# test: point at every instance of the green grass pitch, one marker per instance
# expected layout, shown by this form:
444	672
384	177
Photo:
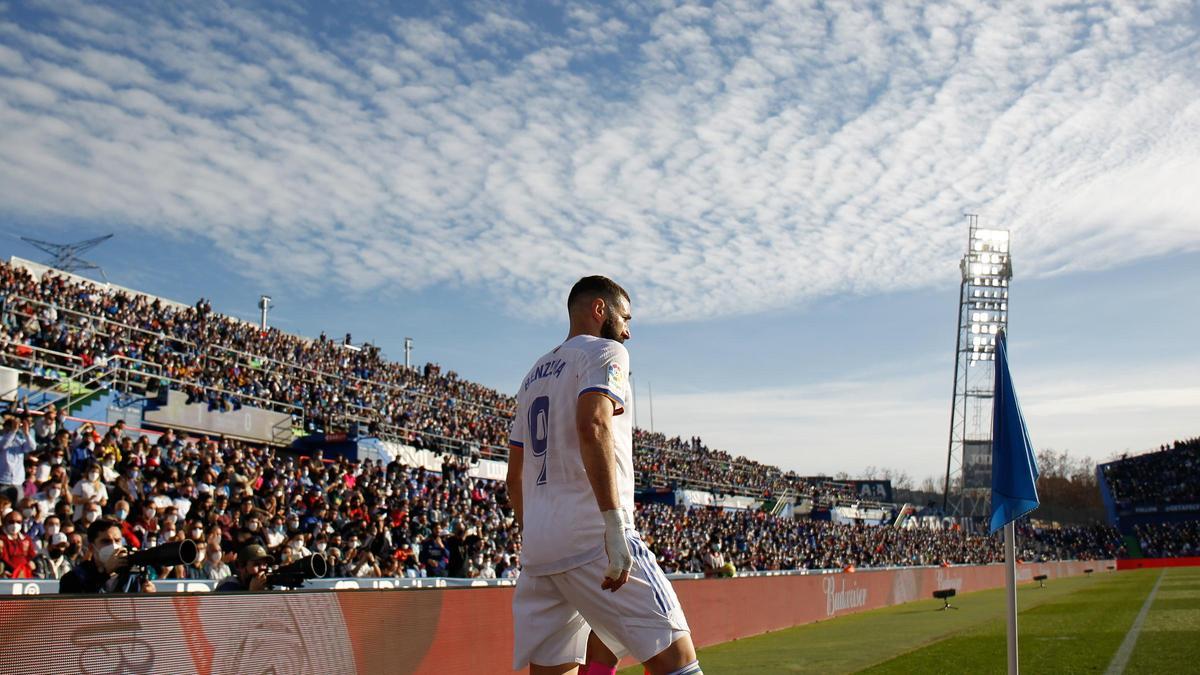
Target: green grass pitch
1073	625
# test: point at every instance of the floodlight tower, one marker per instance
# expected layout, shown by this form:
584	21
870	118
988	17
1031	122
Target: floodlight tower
982	314
66	256
264	304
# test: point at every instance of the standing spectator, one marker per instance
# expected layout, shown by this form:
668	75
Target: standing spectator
16	441
435	556
16	549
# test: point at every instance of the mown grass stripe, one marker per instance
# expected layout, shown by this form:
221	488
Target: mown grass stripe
1121	658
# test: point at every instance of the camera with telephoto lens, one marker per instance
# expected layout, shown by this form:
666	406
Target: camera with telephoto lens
175	553
294	574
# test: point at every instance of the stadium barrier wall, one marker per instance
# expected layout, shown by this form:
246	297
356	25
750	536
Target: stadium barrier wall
1140	563
423	631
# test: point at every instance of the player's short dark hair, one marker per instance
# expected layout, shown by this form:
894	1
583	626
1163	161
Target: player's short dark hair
100	526
588	289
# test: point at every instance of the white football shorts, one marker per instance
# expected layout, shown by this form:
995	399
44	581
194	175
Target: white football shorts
552	613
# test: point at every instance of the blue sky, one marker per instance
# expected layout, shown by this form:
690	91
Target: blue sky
781	187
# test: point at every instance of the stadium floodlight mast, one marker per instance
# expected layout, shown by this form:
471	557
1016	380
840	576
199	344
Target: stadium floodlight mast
67	256
982	315
264	303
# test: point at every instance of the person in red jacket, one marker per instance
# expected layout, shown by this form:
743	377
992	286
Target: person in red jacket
16	549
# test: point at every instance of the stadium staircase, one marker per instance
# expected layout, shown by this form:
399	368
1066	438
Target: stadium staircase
1106	495
1132	547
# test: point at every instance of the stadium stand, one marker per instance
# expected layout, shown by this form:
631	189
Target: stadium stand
368	518
1154	500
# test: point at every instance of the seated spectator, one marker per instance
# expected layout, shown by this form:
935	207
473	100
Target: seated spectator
16	549
54	562
89	489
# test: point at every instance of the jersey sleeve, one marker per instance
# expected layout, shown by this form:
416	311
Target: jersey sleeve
517	433
606	370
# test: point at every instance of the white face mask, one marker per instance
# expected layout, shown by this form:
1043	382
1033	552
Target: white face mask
12	528
90	516
105	553
94	476
54	493
196	534
214	558
52	530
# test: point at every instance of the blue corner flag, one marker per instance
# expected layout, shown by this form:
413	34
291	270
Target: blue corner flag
1014	468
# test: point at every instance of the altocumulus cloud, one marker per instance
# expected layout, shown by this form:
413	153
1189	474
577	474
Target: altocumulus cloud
719	159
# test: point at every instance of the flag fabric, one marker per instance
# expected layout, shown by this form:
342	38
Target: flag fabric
1014	467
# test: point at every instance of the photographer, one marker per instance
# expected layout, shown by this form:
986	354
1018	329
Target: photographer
107	569
251	567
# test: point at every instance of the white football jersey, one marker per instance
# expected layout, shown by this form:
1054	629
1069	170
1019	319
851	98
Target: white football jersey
563	528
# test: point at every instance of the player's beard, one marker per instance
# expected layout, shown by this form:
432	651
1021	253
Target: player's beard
609	331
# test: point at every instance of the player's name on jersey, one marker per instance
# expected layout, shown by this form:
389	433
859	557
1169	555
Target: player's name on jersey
553	367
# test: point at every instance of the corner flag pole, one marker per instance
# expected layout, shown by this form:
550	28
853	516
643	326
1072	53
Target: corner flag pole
1010	584
1014	481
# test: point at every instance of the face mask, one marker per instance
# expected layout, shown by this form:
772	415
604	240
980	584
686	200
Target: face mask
93	476
148	513
28	513
53	494
321	547
196	534
200	553
167	534
52	530
215	557
90	516
105	553
121	514
354	543
253	527
12	528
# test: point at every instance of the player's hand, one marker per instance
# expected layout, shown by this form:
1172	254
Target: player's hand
616	544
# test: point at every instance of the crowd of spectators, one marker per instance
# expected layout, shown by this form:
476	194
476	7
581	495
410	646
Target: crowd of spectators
1170	475
367	519
1169	540
690	463
224	361
709	540
1091	542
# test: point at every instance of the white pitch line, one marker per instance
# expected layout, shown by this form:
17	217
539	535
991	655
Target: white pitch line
1121	658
